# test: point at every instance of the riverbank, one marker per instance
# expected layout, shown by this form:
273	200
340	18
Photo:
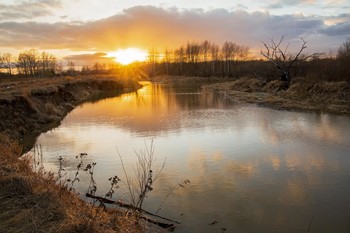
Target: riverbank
29	107
302	95
32	201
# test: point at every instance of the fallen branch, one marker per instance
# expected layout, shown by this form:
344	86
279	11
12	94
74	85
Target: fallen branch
121	204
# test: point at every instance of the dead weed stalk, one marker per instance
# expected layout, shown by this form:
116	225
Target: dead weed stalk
144	175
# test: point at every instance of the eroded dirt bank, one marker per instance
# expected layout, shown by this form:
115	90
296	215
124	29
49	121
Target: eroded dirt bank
302	95
29	107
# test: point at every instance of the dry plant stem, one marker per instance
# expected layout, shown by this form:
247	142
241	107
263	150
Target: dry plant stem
37	158
33	202
114	185
90	171
128	181
144	175
181	184
60	170
76	178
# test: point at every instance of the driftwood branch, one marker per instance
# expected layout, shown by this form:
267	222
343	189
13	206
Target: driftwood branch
139	210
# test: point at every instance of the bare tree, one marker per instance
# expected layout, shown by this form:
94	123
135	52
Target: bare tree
167	60
48	64
1	62
7	62
71	68
85	70
281	59
193	51
344	50
152	57
97	67
242	53
226	51
205	49
343	57
28	62
179	58
232	53
214	52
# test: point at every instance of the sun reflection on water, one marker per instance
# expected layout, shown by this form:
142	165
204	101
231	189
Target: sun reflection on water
250	168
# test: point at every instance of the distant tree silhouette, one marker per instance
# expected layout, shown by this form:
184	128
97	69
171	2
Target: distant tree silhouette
201	59
32	63
48	64
344	50
71	68
343	57
215	57
7	62
28	62
1	62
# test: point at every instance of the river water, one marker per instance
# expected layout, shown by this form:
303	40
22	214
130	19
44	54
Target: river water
251	169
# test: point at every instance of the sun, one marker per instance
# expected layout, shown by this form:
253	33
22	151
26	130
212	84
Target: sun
128	55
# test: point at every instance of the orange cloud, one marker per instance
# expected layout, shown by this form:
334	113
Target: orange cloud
148	26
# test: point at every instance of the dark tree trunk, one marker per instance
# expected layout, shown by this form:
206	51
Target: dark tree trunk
285	77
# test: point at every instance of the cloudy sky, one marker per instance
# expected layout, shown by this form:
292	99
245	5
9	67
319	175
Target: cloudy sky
95	27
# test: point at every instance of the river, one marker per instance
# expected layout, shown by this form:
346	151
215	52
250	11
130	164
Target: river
251	169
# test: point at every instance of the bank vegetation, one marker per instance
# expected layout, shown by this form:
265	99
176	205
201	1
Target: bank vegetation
33	201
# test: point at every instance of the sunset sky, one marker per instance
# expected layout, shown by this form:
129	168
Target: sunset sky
89	29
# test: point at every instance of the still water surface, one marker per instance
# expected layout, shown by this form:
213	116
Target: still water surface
251	169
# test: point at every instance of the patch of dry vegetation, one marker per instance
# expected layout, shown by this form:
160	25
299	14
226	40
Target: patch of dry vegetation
33	201
303	94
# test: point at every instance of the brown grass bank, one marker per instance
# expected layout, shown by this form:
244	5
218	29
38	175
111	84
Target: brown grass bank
302	95
33	202
29	107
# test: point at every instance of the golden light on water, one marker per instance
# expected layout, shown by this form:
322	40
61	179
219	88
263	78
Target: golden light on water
128	55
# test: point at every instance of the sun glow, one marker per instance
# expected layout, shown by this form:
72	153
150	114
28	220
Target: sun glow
128	55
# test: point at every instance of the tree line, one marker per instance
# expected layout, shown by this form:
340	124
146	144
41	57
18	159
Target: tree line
232	60
198	59
32	63
204	58
29	63
194	58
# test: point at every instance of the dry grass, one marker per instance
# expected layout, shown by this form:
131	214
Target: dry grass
303	94
33	202
50	109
